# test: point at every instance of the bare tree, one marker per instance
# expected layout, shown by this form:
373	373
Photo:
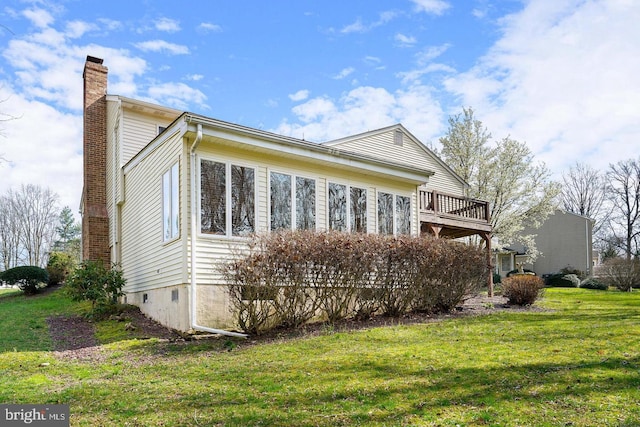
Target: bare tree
10	239
584	193
37	213
624	194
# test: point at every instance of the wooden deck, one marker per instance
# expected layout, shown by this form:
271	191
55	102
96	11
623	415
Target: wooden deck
446	215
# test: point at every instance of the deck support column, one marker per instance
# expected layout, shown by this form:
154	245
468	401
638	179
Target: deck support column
487	240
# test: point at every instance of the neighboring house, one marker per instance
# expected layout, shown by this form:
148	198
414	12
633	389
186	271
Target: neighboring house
563	240
171	195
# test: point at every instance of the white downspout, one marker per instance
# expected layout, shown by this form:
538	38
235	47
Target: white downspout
194	233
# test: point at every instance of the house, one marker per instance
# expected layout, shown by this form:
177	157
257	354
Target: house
563	240
170	195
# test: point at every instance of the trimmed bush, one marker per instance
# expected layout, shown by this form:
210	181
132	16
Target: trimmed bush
288	278
593	283
30	279
522	289
562	281
59	267
497	278
94	282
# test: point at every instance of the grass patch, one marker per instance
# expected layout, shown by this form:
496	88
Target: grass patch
576	364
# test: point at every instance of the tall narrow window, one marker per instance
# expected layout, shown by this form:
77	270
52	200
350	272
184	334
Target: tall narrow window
171	203
358	209
243	210
280	185
385	213
305	203
337	207
403	215
213	197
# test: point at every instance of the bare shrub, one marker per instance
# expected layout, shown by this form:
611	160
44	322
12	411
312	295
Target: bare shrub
622	273
287	278
523	289
252	291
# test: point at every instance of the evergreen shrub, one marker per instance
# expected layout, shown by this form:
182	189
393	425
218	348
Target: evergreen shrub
30	279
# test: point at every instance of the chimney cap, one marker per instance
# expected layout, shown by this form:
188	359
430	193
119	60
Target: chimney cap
94	59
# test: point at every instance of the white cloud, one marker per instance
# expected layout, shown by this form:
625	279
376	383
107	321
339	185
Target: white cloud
167	25
344	73
41	132
300	95
365	108
176	95
563	78
405	41
435	7
359	27
76	29
207	27
39	17
194	77
162	46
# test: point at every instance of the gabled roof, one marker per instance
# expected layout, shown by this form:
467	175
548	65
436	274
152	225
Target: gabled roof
258	139
412	138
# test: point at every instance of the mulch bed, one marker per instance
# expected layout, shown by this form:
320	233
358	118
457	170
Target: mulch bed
74	337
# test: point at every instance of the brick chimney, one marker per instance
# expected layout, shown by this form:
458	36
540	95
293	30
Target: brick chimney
95	217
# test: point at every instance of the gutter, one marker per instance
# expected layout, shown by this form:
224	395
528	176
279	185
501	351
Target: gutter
194	233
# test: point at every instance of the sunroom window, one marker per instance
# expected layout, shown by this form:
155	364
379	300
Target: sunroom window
394	209
353	219
227	199
293	201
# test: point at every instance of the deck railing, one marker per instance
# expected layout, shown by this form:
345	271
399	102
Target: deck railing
447	204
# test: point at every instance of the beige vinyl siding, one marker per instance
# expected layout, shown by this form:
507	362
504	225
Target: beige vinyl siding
382	146
212	251
139	129
149	262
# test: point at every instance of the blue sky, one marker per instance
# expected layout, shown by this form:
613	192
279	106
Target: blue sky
561	75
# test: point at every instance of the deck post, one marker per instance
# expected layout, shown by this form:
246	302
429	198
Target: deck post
487	239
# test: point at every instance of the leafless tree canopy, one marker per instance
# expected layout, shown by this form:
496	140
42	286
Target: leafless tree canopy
28	220
584	192
624	195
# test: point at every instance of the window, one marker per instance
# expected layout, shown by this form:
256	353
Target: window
506	263
358	209
337	207
170	203
293	201
390	213
227	206
403	215
341	196
385	213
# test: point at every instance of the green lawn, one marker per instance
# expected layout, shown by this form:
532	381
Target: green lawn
576	364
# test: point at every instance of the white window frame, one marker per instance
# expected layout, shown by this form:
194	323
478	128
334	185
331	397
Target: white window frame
171	203
293	197
395	213
228	197
348	194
